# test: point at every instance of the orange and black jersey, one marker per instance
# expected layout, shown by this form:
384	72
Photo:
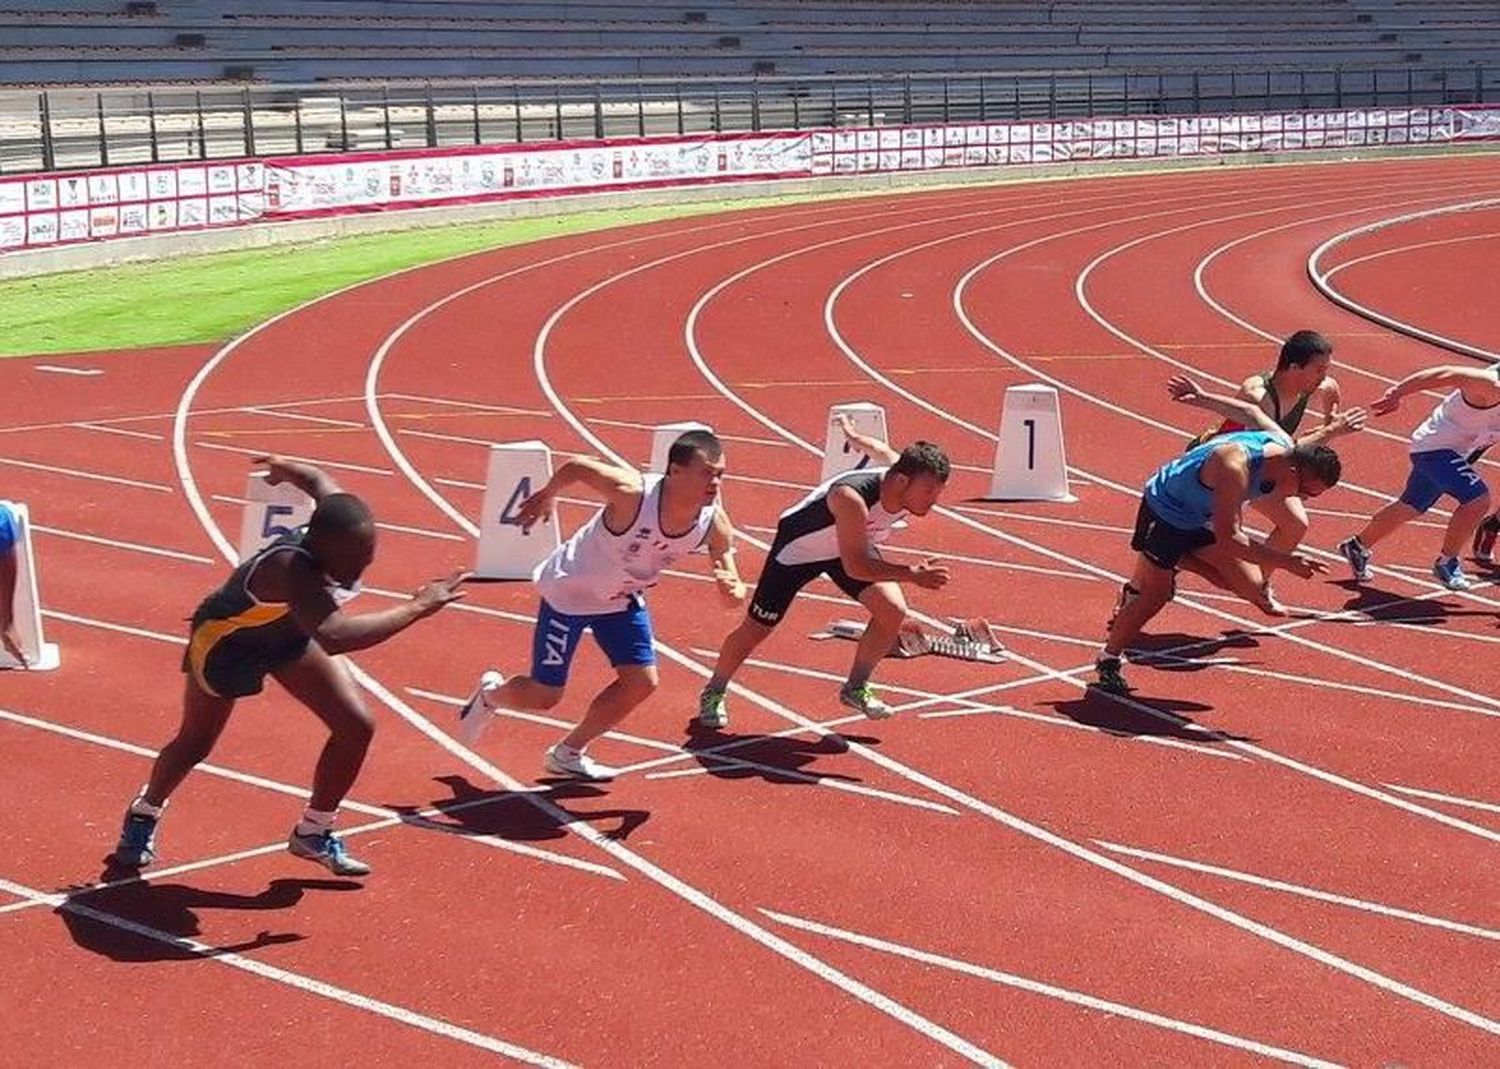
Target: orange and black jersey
237	639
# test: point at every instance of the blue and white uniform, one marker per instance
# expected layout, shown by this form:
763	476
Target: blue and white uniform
1441	448
596	581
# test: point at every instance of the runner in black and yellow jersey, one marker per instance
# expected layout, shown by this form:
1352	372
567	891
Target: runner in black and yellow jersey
280	614
1299	381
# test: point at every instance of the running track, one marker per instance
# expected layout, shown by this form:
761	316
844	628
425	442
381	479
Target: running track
1286	849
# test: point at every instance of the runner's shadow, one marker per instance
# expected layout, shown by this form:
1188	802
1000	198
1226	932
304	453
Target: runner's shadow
1371	600
171	910
1117	716
1196	649
508	815
783	759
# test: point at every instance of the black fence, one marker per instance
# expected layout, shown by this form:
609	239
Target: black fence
61	129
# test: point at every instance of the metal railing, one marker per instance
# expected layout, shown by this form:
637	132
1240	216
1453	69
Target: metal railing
61	129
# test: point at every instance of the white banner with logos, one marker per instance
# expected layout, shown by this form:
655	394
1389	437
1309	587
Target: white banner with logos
45	210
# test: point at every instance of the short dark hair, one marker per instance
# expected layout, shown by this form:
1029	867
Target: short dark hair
1302	348
922	458
340	513
690	442
1319	461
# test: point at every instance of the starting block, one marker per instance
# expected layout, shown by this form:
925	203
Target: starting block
970	640
1030	464
839	455
270	512
517	470
662	437
41	656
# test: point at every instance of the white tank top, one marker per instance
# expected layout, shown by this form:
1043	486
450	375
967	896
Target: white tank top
1457	425
597	571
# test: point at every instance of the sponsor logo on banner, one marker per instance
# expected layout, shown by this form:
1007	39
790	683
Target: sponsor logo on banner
73	226
108	203
133	186
103	189
192	212
221	179
223	210
104	222
41	229
163	215
72	191
192	181
133	219
163	184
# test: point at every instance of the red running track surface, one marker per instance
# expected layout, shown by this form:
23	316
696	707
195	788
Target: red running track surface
1286	848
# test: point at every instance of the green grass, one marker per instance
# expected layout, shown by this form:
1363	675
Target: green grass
210	298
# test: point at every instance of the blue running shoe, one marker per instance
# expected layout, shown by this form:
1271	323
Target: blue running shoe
1354	551
327	850
137	846
1451	574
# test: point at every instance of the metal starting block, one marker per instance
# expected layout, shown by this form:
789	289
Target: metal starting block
970	640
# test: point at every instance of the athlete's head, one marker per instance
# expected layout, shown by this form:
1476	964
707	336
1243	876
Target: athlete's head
341	537
921	471
1317	467
696	460
1306	355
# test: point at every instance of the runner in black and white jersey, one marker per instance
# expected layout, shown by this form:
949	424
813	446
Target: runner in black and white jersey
833	531
596	581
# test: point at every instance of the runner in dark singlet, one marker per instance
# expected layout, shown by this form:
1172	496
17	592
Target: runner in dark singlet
835	531
280	614
1299	381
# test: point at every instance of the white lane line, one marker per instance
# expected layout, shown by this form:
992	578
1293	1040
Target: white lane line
121	432
1080	292
234	960
1451	799
341	465
303	417
1005	514
600	421
1319	278
1427	629
945	555
973	708
448	402
58	369
461	439
116	543
1270	934
419	817
116	480
707	755
106	625
628	857
1363	904
1038	987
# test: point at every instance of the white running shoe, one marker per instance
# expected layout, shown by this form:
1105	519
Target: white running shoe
565	761
475	717
864	699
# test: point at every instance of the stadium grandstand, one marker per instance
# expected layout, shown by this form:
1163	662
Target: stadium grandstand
105	82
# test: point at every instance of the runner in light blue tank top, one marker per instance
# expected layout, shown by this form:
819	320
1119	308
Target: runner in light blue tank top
1177	494
1189	518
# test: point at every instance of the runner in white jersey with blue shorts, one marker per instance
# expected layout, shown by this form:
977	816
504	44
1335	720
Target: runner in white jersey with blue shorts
596	581
1443	448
